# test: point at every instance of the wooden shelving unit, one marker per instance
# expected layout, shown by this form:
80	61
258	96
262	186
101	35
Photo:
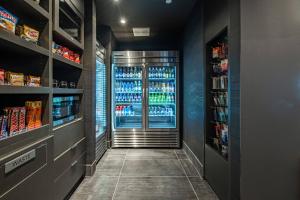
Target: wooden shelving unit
53	146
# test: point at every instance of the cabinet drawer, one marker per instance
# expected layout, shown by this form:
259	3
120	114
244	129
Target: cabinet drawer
64	183
63	161
67	135
21	165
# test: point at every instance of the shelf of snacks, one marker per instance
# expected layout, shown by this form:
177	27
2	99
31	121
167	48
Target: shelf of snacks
18	120
13	43
67	91
17	35
60	60
31	8
18	83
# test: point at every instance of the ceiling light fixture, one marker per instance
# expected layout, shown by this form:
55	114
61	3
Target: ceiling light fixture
141	31
168	1
123	20
116	1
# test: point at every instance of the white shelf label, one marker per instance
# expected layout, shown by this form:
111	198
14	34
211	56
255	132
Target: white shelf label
19	161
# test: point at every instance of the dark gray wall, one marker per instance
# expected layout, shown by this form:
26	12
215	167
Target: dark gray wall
89	82
234	60
193	83
270	93
170	41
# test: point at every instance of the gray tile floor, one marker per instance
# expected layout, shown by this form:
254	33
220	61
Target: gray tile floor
144	174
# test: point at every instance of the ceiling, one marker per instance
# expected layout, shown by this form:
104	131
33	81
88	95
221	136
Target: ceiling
162	18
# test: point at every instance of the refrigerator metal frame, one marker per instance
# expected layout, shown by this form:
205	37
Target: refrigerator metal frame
146	135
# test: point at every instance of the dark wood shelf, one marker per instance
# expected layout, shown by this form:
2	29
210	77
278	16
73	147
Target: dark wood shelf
59	60
24	137
67	124
67	91
8	89
63	38
13	44
27	8
36	9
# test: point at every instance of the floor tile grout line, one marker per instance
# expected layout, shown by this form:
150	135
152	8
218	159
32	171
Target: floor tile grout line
114	194
186	176
199	174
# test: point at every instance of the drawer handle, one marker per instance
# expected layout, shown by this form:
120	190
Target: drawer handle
74	147
74	163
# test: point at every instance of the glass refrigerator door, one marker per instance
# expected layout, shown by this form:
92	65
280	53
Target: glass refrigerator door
100	98
128	97
162	97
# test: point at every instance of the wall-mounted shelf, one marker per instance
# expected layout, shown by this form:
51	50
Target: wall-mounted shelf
67	91
8	89
64	38
27	8
11	43
59	60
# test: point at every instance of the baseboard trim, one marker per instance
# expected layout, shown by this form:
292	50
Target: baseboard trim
193	158
90	168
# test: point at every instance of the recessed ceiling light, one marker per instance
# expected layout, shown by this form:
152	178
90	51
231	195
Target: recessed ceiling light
116	1
168	1
123	20
141	32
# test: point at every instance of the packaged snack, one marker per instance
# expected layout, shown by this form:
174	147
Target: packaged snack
77	58
2	76
66	53
22	118
7	20
30	116
3	127
16	79
14	119
38	114
33	81
28	33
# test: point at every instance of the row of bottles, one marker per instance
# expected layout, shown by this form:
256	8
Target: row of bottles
129	72
130	87
122	111
162	98
161	87
161	111
128	98
161	72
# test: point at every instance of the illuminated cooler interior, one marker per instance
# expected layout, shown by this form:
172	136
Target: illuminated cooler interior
128	97
162	97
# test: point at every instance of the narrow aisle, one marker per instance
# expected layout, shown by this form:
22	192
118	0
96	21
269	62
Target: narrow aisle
144	174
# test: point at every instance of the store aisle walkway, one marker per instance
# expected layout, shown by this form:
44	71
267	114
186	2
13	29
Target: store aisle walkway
144	174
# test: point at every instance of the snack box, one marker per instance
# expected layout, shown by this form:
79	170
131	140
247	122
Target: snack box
33	81
3	127
2	76
15	79
7	20
28	33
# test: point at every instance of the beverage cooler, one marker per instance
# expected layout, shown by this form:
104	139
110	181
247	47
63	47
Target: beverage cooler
145	99
101	103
